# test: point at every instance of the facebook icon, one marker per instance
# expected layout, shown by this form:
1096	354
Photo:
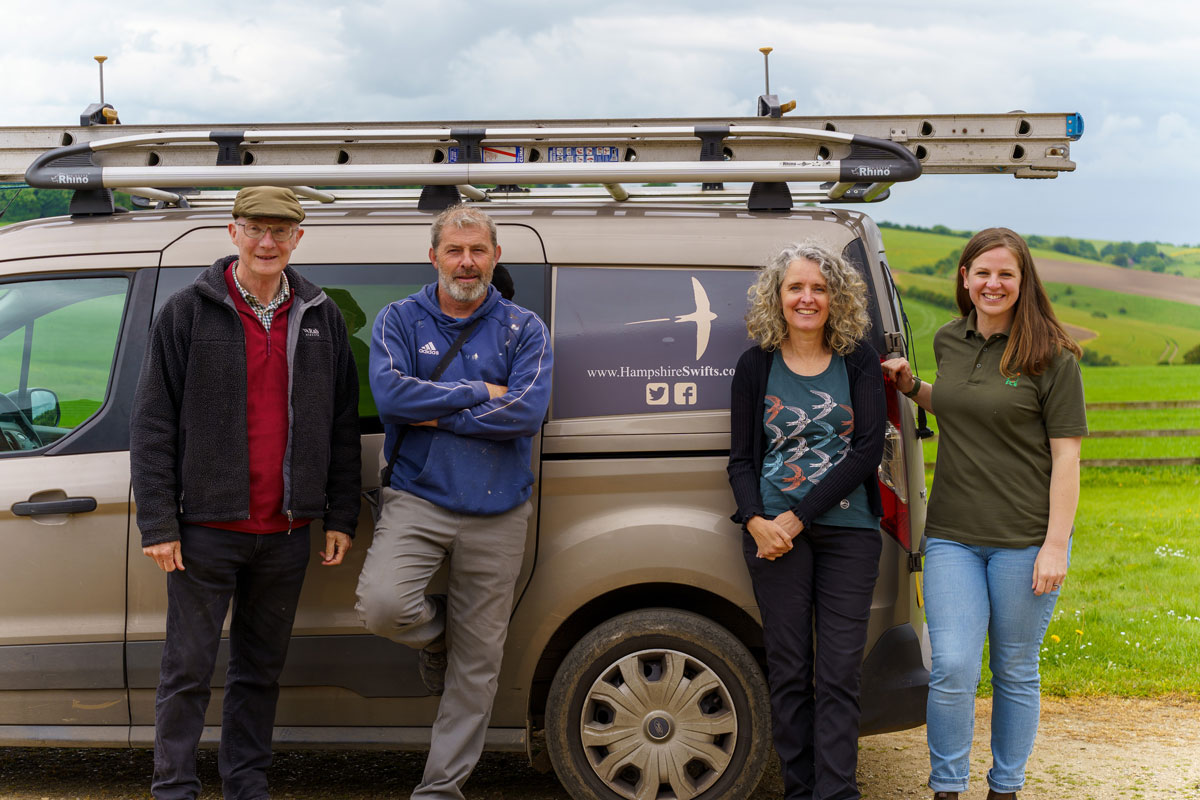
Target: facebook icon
685	394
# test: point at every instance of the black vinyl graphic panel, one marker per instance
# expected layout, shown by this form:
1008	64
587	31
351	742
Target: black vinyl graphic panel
630	341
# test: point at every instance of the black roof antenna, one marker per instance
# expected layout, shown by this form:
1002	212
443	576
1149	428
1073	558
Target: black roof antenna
92	202
99	113
770	195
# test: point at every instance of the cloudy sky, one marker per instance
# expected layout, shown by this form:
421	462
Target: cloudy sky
1131	69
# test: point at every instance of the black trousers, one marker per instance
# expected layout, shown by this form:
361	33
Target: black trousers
824	583
262	574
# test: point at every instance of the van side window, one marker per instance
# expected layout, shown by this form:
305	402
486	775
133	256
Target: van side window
58	338
855	254
362	290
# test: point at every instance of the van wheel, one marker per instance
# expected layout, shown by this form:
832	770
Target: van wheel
658	703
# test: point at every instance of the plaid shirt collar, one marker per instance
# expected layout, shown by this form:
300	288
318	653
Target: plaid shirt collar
265	313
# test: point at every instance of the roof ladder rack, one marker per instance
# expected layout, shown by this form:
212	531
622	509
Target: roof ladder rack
834	159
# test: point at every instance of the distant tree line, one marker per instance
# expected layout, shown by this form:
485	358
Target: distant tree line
943	266
24	202
938	229
933	298
29	203
1144	255
1093	359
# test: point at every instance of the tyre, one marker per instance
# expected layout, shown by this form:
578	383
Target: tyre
658	703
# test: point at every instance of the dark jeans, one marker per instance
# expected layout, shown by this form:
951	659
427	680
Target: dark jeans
825	581
262	573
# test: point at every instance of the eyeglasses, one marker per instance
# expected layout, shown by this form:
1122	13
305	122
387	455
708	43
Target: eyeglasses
280	233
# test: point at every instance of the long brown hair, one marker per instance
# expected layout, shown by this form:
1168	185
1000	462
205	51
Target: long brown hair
1036	336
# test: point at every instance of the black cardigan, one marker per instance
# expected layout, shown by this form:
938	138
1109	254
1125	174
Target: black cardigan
748	441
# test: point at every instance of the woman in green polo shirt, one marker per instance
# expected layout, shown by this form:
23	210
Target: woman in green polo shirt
1010	410
807	417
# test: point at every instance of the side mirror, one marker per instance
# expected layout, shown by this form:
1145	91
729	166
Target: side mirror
43	408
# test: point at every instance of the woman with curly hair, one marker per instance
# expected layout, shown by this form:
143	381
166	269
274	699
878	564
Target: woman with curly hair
1009	403
807	425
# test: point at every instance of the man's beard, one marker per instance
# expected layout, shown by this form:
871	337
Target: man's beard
463	294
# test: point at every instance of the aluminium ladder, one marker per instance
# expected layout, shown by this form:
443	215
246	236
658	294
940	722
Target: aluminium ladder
835	159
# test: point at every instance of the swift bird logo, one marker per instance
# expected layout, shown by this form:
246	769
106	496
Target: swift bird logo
773	407
824	462
794	480
703	316
826	405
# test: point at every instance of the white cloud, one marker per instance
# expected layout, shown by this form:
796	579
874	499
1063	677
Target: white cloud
1174	128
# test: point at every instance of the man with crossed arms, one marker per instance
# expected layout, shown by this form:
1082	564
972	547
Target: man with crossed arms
460	480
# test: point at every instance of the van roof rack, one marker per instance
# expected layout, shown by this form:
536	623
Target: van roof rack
836	159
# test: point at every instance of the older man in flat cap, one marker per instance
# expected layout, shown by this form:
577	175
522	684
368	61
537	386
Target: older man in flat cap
244	431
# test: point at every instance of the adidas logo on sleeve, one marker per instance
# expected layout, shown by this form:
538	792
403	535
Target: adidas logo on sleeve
429	349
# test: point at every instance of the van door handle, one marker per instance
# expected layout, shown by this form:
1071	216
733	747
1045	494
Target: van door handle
69	505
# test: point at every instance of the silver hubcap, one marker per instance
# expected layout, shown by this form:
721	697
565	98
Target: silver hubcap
659	724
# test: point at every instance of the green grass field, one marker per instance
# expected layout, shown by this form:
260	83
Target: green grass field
1143	447
1128	619
1144	419
1187	260
1117	447
1117	305
908	249
1141	384
71	354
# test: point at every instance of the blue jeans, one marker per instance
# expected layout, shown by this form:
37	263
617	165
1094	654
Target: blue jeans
973	591
262	575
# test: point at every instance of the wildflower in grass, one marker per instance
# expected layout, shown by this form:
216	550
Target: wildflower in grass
1079	631
1055	638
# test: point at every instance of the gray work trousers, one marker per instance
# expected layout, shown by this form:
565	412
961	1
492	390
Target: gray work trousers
412	539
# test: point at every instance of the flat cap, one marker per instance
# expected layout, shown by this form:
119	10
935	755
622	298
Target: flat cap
276	202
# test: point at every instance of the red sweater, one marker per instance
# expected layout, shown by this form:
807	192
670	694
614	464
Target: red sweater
266	416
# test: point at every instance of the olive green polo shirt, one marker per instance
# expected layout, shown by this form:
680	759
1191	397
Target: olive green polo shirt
992	482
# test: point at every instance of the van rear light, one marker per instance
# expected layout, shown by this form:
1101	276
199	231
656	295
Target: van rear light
891	469
893	477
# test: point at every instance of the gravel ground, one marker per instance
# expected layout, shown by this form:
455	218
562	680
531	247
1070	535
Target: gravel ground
1087	749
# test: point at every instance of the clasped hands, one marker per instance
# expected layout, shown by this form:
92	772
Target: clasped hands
774	536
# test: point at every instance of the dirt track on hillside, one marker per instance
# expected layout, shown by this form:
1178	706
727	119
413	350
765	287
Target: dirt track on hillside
1117	279
1087	749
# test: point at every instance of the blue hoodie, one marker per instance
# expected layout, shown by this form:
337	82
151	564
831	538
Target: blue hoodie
477	459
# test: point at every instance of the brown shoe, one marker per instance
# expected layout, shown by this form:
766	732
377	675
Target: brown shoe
945	796
994	795
431	666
